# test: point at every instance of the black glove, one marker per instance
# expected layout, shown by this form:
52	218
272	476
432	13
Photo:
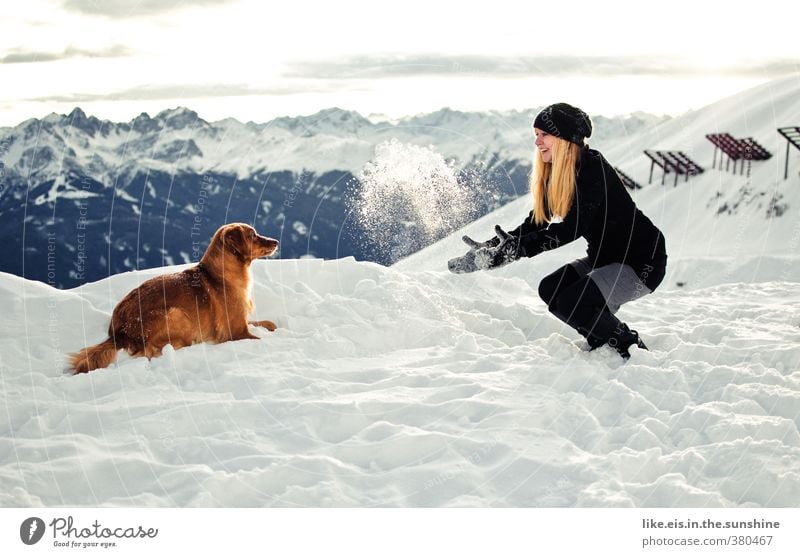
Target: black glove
506	251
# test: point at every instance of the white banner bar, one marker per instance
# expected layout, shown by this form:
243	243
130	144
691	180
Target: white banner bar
400	532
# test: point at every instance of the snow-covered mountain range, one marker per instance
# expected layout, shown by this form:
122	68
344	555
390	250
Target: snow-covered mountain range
84	198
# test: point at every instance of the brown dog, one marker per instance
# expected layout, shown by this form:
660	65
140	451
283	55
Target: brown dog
205	303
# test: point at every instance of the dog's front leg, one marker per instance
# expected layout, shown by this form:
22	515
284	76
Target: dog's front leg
269	325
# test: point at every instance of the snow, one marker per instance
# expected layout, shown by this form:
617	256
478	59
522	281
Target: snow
410	386
300	228
407	185
390	388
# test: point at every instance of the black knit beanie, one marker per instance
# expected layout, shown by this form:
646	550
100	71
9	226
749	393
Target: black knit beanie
565	121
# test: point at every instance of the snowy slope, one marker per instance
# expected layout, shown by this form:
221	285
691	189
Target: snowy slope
409	386
394	388
719	226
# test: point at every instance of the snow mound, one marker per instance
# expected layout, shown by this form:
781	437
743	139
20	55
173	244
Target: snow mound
385	387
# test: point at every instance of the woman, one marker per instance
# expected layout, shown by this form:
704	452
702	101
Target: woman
577	193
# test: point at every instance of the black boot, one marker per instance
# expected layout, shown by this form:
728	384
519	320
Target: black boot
627	338
605	326
594	342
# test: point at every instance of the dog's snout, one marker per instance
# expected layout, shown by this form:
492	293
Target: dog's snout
269	245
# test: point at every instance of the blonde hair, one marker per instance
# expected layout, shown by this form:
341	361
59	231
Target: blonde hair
553	184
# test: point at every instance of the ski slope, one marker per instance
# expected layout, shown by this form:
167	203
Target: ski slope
409	386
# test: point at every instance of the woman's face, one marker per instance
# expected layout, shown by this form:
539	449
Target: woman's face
544	142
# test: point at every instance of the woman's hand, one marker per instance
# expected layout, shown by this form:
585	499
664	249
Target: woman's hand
504	252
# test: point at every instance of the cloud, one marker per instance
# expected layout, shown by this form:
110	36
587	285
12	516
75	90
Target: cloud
188	91
126	8
431	65
30	56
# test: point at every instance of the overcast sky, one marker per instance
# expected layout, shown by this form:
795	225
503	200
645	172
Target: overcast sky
255	60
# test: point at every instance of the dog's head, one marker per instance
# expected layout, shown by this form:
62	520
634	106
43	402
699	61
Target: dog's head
243	242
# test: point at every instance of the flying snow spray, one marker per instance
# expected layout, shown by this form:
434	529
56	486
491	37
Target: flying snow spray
409	197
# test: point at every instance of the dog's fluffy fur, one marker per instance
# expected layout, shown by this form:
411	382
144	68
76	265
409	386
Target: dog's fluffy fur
209	302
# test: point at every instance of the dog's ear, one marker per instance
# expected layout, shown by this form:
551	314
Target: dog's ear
233	241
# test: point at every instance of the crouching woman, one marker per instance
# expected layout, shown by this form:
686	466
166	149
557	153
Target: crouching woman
577	193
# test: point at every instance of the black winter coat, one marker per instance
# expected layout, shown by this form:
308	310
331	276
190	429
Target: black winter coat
603	213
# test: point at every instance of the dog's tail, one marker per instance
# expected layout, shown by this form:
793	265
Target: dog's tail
93	357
